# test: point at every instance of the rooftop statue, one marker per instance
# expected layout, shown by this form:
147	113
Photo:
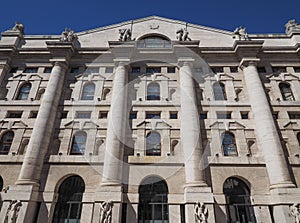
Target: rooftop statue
68	36
241	33
183	35
291	26
125	35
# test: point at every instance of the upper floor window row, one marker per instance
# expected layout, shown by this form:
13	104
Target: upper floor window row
29	70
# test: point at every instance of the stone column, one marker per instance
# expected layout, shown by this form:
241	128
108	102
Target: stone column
43	127
190	128
113	160
266	131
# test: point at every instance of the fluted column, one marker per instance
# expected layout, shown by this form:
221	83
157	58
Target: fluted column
266	131
190	127
113	159
43	127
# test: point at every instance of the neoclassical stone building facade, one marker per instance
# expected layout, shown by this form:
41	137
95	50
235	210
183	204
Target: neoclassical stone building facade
150	121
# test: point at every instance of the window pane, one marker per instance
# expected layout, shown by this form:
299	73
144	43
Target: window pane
79	141
24	92
219	91
286	92
31	70
228	143
153	91
153	144
5	142
88	92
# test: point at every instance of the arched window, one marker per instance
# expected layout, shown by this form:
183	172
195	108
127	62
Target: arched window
286	92
238	201
228	144
219	91
153	201
154	42
5	142
153	91
24	92
88	92
79	143
153	146
69	203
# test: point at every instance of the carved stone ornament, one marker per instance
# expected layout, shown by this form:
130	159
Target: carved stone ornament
68	36
291	26
182	35
201	212
18	27
125	35
106	211
240	33
295	213
13	211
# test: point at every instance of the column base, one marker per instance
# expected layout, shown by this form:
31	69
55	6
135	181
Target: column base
287	184
28	182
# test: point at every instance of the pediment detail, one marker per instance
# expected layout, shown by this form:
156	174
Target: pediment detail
154	124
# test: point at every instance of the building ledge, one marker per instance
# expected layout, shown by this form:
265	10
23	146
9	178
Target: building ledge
235	160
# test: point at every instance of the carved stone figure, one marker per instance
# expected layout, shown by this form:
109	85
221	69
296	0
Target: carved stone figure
241	33
295	212
13	211
18	27
183	35
125	35
106	211
291	26
68	35
201	212
5	189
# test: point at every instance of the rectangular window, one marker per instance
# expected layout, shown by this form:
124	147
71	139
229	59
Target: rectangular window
233	69
33	114
83	114
261	70
152	70
13	70
171	70
133	115
294	115
109	70
152	115
135	70
92	70
244	115
223	115
14	114
64	114
48	70
203	115
103	114
297	69
279	69
173	115
31	70
217	69
74	70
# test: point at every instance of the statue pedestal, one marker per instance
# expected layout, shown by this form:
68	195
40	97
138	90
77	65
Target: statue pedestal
109	193
28	195
193	195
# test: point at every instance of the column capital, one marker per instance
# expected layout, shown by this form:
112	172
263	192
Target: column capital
121	62
185	62
248	61
60	62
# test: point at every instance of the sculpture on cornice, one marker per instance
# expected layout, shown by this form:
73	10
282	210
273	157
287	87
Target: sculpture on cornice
241	33
201	212
291	26
183	35
125	35
18	27
13	211
68	35
295	213
106	211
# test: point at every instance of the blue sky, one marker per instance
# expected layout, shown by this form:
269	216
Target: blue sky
52	16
